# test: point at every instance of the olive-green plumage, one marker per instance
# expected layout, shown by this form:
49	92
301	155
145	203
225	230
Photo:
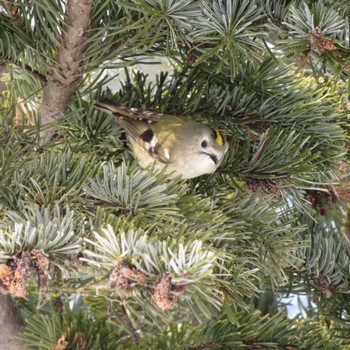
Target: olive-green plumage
184	146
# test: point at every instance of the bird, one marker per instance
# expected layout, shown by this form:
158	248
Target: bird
184	146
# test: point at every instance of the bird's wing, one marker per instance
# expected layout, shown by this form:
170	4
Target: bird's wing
142	132
140	128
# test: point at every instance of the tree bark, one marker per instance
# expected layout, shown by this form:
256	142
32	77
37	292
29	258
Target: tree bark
64	77
10	323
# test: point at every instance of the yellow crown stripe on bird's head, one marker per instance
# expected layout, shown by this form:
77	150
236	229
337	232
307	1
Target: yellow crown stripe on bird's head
218	137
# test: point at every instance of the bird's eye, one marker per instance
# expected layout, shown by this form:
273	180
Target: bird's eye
204	144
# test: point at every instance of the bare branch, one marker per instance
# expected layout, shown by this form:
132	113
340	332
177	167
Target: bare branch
63	79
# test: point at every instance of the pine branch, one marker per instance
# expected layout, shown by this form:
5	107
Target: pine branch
64	79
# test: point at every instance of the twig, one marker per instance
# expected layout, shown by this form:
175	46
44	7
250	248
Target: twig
261	147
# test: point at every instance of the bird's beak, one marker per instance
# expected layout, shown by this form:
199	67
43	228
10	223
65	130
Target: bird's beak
213	157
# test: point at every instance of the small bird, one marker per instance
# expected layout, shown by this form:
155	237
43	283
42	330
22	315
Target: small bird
184	146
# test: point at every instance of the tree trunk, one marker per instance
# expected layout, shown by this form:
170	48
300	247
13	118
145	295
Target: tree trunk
62	80
10	323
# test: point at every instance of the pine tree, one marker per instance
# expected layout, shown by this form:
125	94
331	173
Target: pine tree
99	253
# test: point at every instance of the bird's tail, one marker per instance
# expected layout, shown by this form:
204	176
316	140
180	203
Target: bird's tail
115	110
121	111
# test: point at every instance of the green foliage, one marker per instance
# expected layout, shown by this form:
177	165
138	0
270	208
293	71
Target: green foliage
168	21
141	261
53	177
190	266
86	130
227	30
75	331
72	329
36	227
135	192
306	21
